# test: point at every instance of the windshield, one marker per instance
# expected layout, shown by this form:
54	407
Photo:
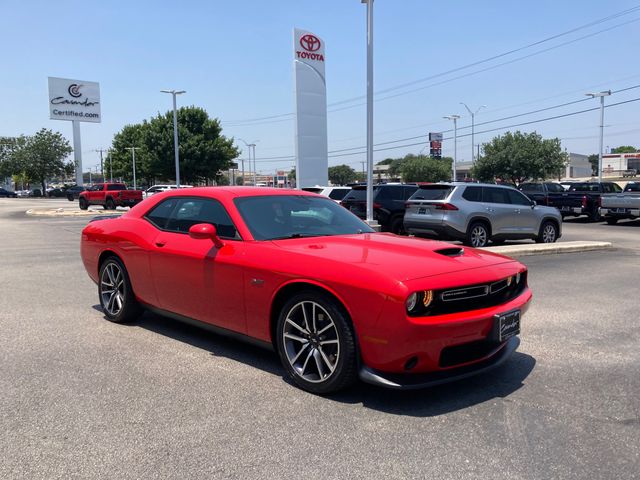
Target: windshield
273	217
432	192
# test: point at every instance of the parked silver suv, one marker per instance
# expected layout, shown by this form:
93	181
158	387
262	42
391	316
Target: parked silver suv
478	213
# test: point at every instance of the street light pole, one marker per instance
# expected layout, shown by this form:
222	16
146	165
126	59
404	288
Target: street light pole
175	131
455	142
133	160
473	115
249	146
603	94
369	109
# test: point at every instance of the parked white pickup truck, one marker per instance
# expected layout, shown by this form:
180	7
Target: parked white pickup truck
617	206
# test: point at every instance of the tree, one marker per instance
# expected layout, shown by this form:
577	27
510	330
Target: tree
624	149
204	151
42	156
341	174
594	160
519	157
425	169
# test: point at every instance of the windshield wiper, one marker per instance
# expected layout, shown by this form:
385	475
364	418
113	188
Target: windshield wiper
293	235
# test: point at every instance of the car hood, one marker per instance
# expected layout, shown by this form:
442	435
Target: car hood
402	258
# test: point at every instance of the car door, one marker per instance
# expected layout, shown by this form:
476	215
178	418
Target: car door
192	277
526	217
502	213
94	193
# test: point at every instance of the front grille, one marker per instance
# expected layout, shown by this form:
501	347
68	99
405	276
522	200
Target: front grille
474	297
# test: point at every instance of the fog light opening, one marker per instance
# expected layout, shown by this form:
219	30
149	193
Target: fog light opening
411	363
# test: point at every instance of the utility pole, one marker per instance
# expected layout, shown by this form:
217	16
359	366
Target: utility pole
603	94
473	115
369	4
455	142
133	160
110	152
100	150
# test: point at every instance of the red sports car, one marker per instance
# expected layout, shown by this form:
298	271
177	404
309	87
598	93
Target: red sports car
298	273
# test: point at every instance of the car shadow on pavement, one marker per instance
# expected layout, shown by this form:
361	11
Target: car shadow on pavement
430	402
427	402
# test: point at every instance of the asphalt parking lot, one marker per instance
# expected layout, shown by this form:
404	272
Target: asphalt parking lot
84	398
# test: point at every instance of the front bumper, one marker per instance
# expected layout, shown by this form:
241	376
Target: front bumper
409	381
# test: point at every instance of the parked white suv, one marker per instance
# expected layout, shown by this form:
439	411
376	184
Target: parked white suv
334	193
478	213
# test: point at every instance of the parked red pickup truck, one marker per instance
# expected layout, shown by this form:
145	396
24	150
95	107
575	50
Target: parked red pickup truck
110	196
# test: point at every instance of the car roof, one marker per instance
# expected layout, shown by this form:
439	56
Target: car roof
234	192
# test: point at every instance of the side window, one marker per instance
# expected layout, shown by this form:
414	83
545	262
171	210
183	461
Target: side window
532	187
97	188
495	195
160	214
191	211
517	198
408	191
337	193
472	194
616	188
554	187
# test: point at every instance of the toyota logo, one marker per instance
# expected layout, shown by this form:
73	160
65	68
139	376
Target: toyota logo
310	43
74	90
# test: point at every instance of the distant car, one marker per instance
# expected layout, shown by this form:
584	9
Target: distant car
7	194
479	213
73	192
23	193
333	298
110	196
539	191
334	193
388	204
57	192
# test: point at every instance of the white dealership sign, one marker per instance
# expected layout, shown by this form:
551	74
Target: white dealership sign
74	100
312	162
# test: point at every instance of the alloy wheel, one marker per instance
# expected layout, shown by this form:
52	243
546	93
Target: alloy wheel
549	234
478	236
311	343
112	289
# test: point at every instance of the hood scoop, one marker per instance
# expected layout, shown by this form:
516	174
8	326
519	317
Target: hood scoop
450	251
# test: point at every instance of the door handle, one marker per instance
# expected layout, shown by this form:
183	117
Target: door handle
161	243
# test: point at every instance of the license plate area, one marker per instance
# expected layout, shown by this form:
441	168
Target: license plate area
506	325
565	208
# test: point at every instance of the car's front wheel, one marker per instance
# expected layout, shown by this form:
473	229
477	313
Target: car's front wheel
316	343
548	233
83	204
477	235
117	299
109	204
611	220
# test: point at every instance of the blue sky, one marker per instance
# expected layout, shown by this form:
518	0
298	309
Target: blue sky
234	58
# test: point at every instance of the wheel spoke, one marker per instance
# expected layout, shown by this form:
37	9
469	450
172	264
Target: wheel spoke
304	314
318	359
119	300
325	328
295	359
306	361
295	338
291	322
326	360
328	342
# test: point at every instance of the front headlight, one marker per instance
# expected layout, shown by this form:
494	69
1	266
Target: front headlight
418	302
411	302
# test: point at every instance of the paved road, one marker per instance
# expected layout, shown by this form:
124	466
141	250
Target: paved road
83	398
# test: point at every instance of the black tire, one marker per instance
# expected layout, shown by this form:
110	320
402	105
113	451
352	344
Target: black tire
548	232
595	216
109	204
478	235
397	225
116	296
70	198
83	203
314	366
611	220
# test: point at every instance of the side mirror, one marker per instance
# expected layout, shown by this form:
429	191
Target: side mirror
204	231
533	203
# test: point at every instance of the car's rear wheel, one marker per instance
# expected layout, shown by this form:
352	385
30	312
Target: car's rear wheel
83	204
316	343
397	225
548	233
477	235
611	220
117	299
109	204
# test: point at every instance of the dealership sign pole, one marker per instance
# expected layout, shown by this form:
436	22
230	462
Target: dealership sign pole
312	161
76	101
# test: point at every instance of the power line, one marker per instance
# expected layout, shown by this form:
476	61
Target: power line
258	120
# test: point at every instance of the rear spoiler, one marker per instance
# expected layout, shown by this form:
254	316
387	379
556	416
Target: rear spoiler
104	217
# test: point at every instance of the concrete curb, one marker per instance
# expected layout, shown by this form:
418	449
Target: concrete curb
548	248
67	212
